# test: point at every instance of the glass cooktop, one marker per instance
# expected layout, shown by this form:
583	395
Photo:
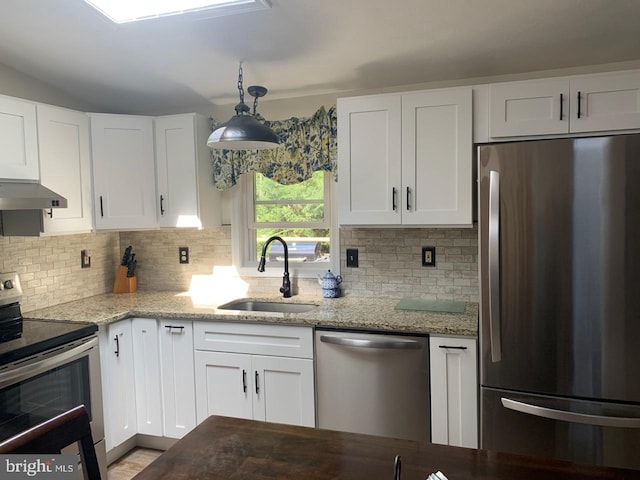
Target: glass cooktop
40	335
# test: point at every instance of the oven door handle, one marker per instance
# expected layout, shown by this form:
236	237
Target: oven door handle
31	369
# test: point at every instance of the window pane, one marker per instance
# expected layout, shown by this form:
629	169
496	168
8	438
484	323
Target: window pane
312	189
303	244
293	212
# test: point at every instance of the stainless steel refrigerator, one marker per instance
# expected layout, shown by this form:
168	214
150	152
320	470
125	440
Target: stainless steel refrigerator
560	302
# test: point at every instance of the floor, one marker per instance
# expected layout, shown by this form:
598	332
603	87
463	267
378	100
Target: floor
131	463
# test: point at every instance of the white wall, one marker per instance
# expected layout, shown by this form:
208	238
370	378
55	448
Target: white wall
16	84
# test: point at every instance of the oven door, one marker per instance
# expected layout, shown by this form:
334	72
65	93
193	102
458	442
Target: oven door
49	383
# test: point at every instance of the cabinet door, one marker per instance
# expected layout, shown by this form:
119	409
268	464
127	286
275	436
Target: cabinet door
176	167
178	378
283	390
224	385
65	168
605	102
123	171
529	108
146	359
437	155
369	160
121	419
454	391
18	139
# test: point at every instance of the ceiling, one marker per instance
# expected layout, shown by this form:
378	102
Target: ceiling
306	47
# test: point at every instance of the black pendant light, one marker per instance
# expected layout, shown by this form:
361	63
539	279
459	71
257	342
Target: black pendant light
243	131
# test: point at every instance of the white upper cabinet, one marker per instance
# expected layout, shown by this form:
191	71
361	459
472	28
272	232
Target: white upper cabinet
369	149
123	171
18	140
585	103
529	108
65	168
437	153
406	159
186	196
605	102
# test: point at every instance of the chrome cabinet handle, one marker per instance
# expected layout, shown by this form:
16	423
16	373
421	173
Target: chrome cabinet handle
493	259
564	416
161	205
393	344
117	352
257	378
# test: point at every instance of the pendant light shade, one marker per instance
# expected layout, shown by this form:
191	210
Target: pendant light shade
243	131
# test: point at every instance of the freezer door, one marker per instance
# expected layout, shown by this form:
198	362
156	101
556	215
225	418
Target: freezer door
560	246
551	427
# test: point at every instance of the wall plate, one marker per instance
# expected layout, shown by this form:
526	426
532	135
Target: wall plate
428	256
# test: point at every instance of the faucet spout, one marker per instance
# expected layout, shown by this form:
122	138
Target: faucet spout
286	283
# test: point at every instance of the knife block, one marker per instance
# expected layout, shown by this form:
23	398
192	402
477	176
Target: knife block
124	284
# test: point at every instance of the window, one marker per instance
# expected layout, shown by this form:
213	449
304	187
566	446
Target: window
300	214
124	11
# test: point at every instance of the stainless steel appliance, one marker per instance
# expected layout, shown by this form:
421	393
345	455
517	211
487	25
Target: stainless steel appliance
375	384
560	301
46	368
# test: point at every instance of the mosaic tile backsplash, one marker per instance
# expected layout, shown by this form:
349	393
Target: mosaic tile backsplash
49	267
389	263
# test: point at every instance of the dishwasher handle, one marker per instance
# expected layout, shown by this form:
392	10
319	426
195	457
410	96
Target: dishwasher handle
391	344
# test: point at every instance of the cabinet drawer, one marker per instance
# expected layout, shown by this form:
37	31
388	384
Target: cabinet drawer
276	340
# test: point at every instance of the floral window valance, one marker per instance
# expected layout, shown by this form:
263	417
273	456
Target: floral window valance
306	145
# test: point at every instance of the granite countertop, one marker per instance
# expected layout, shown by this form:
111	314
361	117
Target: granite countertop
344	312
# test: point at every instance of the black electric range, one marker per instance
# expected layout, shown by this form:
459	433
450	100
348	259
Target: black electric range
21	337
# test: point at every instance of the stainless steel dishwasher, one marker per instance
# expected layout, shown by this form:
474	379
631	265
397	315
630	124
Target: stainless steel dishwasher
373	383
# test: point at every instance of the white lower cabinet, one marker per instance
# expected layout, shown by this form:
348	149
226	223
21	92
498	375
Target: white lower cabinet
178	384
119	387
454	391
241	381
146	362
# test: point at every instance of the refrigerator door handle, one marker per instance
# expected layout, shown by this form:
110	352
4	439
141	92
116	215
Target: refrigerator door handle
494	266
564	416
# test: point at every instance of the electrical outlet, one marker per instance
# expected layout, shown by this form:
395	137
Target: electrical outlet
352	257
428	256
85	259
183	254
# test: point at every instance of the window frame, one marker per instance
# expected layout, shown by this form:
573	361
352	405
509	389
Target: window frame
243	224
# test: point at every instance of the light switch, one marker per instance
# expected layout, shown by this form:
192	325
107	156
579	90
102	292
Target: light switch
428	256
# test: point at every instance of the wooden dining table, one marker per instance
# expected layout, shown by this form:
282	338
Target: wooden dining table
231	448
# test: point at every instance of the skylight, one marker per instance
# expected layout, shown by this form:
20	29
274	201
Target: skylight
123	11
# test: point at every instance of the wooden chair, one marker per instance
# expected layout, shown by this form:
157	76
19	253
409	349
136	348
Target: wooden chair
54	435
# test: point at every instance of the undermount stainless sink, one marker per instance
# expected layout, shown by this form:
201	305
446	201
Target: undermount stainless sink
258	306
